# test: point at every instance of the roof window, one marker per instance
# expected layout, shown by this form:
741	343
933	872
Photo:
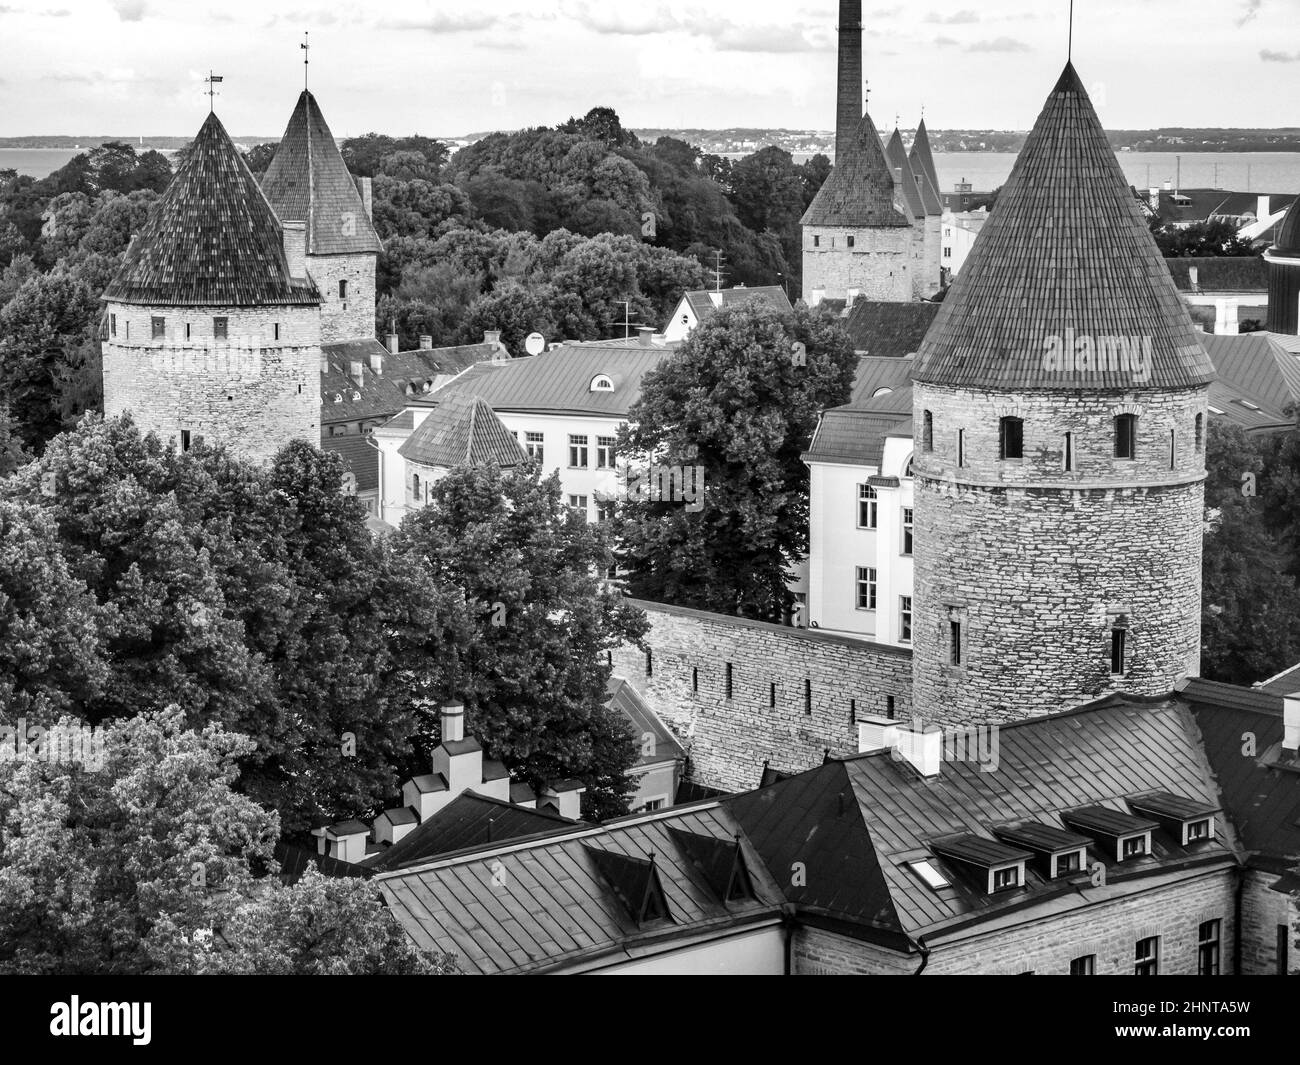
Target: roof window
602	383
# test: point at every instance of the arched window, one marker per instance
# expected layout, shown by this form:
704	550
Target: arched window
907	469
881	392
415	485
927	432
602	383
1011	438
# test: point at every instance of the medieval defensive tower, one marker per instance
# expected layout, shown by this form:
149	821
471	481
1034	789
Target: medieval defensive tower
1060	406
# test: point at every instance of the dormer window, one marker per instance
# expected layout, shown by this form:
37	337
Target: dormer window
602	383
1117	833
1132	847
1057	852
1198	830
929	875
1006	878
1187	820
991	865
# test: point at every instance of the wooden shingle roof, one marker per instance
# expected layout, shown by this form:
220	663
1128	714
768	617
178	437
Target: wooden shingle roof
212	240
896	156
308	181
860	190
922	158
1065	249
1288	237
462	431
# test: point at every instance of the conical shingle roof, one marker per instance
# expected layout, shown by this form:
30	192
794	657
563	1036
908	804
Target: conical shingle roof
927	178
212	240
308	181
896	155
860	190
462	431
1065	258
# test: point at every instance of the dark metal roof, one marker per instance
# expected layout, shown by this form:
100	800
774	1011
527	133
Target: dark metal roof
922	160
1047	839
1165	804
373	396
720	860
294	861
703	307
462	430
1066	249
890	330
851	437
212	240
979	851
1107	822
359	458
1237	273
860	190
308	181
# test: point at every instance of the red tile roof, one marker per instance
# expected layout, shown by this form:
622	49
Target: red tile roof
1066	248
860	190
212	240
308	181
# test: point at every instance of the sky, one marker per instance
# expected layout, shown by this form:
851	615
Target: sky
131	67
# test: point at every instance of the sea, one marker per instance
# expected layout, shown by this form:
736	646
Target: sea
1264	172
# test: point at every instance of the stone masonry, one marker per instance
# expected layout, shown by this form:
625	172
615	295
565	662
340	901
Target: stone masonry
878	265
350	317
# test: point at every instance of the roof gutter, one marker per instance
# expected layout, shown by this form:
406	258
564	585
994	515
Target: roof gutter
925	955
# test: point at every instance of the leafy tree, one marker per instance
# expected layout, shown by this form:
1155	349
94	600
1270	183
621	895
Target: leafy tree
533	677
602	124
375	154
736	400
516	310
416	208
768	191
259	157
1216	239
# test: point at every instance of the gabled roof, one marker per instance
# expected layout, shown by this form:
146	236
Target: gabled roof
890	329
212	240
359	458
462	430
703	306
922	160
295	861
382	395
1285	683
849	437
1065	249
860	190
1224	273
1255	367
645	723
308	181
896	155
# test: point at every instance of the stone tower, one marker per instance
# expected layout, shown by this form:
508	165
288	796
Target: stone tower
1060	406
857	234
209	330
927	178
328	213
1284	277
926	212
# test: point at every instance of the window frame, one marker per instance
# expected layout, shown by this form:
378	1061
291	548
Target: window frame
908	523
220	327
535	445
157	328
868	495
869	584
1209	947
579	448
1011	439
905	618
606	452
1086	962
1126	437
1146	964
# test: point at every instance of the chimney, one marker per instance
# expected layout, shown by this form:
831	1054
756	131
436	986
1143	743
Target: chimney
392	826
1225	317
849	106
853	298
1194	276
365	186
356	370
1261	206
453	722
1168	186
566	797
646	335
324	364
426	342
492	337
345	841
715	298
295	248
1291	723
377	362
818	294
394	344
877	734
921	746
1153	198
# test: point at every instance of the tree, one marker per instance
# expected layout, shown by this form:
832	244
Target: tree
142	860
1215	239
739	400
259	157
376	154
602	124
533	677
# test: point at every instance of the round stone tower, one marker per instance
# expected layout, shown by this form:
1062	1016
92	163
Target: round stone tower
1060	406
209	330
1284	277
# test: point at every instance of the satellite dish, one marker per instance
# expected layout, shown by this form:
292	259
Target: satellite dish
535	344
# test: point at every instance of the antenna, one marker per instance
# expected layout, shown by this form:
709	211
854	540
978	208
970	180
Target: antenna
212	79
1069	53
717	271
306	56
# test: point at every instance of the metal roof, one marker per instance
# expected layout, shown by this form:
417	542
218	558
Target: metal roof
978	850
890	330
1047	839
1165	804
1107	822
896	156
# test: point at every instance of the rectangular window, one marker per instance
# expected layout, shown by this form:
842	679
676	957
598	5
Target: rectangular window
220	328
1283	949
159	328
1069	452
276	328
1011	438
1126	436
817	242
1006	878
185	439
577	452
605	452
579	503
128	329
695	680
728	680
112	325
1198	830
807	697
853	711
771	697
1118	652
1200	431
533	444
905	619
604	513
1133	847
1173	449
927	431
851	241
187	330
1207	948
889	707
908	526
866	588
955	642
961	448
1063	864
1085	966
343	290
868	507
649	663
1146	957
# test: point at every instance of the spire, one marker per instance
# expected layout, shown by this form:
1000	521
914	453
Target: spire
860	190
1065	254
850	91
922	160
308	181
212	240
896	154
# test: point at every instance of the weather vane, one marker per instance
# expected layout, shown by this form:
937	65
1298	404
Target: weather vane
306	56
212	79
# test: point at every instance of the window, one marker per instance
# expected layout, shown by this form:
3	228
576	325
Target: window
1200	431
905	619
695	680
601	383
159	327
1126	436
276	329
1064	864
908	525
771	697
1085	966
807	697
185	439
1011	438
1283	949
1118	652
1133	847
578	452
221	328
947	253
866	588
604	513
853	711
343	290
1146	957
728	680
961	448
649	664
533	444
128	329
415	485
817	242
578	503
1006	878
1197	830
187	330
930	876
907	470
652	805
851	241
889	707
1173	449
112	325
1207	948
868	507
1069	453
605	452
927	431
955	642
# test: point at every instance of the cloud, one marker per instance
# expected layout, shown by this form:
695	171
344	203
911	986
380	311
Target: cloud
947	42
130	10
960	18
1268	55
761	39
887	12
636	22
443	22
1000	44
1252	9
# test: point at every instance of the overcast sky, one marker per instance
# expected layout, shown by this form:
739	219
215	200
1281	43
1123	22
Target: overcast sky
129	67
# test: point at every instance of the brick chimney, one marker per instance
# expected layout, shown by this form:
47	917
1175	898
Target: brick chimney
377	363
849	107
356	370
